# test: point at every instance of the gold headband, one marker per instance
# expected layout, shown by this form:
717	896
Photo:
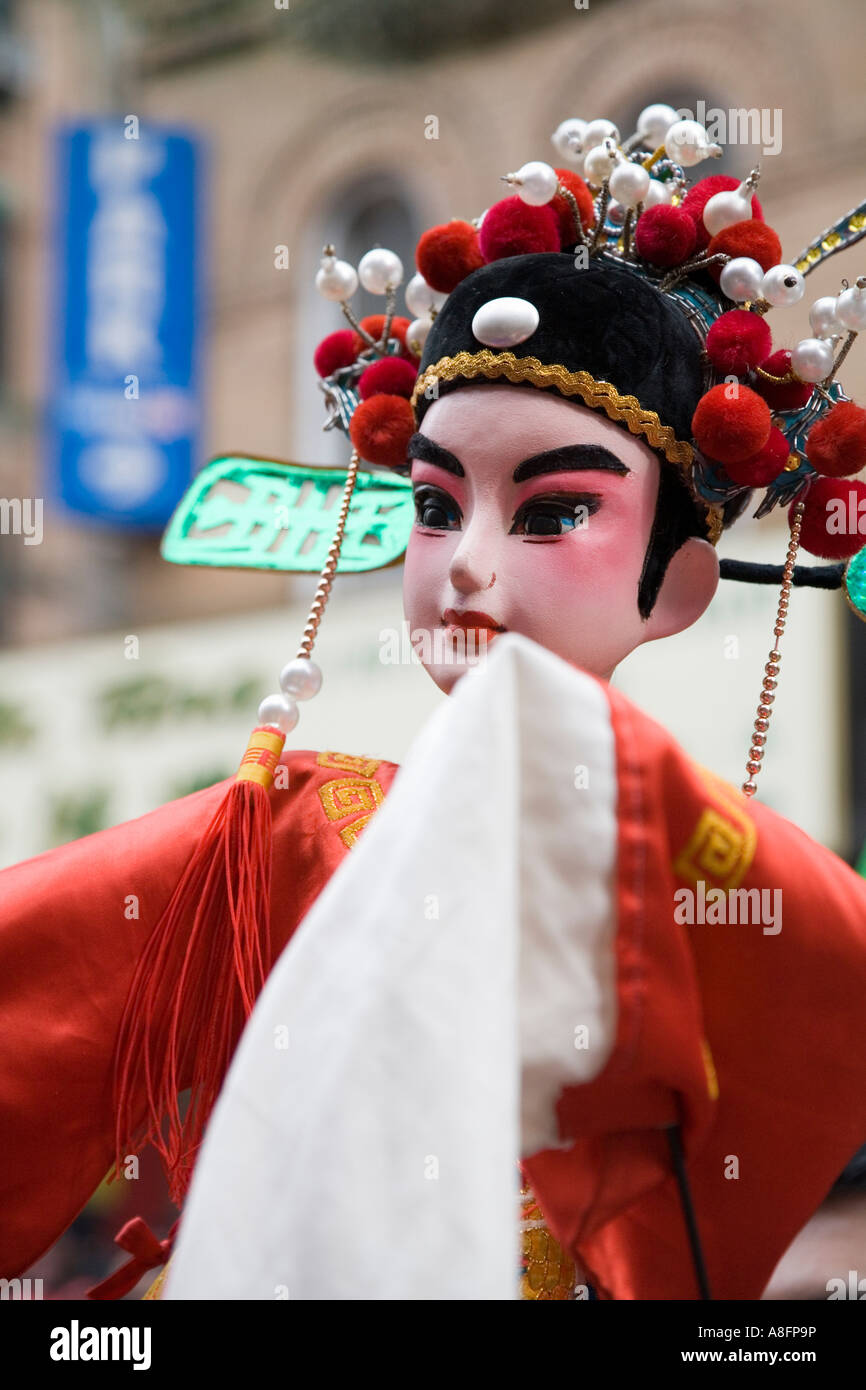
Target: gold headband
598	395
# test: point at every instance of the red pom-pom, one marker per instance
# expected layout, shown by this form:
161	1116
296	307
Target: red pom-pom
837	443
749	238
513	228
737	341
700	194
339	349
763	467
787	395
392	376
374	324
562	208
664	235
381	429
731	423
835	511
446	255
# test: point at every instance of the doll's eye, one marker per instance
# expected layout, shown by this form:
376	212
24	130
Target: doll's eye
552	516
436	510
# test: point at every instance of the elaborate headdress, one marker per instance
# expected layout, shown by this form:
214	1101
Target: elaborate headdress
609	281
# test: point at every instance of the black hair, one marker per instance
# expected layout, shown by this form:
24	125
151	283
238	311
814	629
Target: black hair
677	518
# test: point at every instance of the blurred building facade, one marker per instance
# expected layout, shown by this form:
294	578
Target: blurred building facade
304	147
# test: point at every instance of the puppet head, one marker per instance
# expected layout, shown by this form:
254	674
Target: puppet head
551	476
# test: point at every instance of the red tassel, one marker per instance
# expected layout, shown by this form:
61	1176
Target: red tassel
199	976
147	1252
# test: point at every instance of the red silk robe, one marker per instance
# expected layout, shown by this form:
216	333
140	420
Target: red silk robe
751	1040
67	955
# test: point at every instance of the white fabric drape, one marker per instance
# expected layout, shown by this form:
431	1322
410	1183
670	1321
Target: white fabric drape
411	1041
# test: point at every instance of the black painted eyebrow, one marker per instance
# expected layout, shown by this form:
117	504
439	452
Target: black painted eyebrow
420	447
569	456
566	457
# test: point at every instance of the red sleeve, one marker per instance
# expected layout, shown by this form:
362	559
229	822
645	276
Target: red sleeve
747	1032
73	922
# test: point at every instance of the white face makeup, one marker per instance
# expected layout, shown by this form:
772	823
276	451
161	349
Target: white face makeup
533	516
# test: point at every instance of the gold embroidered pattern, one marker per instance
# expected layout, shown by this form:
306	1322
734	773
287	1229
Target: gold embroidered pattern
722	844
596	394
358	794
350	833
349	762
546	1271
344	795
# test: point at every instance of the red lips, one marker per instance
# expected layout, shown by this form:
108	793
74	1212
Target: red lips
471	618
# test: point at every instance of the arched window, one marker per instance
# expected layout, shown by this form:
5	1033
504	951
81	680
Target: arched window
375	209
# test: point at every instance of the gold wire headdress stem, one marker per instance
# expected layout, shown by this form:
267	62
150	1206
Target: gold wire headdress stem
696	263
347	313
600	218
654	157
566	193
626	233
771	669
390	304
846	348
329	568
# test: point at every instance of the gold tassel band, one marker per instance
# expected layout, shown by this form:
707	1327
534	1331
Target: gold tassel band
262	755
598	395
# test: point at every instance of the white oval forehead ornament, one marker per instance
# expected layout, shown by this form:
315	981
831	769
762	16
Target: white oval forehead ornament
505	322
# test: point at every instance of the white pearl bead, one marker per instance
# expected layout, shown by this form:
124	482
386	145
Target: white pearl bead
597	132
657	193
504	322
822	317
851	309
598	164
336	280
535	183
380	270
301	679
616	212
655	121
416	335
567	139
812	359
726	208
687	143
629	183
741	279
421	297
277	710
782	286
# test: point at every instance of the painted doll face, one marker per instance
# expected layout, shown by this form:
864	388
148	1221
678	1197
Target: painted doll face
533	515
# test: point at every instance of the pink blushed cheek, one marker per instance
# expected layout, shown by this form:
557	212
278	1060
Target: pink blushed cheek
426	560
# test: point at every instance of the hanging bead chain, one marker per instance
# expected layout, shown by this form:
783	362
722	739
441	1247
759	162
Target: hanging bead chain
771	669
330	567
302	678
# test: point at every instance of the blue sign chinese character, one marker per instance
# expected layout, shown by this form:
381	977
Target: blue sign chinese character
124	403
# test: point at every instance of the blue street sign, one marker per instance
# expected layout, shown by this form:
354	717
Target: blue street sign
123	407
